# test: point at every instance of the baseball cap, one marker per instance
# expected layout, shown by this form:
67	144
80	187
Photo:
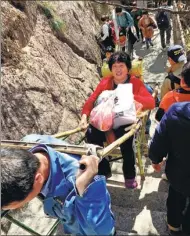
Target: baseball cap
176	53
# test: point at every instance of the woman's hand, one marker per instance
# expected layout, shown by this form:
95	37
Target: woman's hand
83	123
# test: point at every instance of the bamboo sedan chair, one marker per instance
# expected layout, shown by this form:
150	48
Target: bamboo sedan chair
137	129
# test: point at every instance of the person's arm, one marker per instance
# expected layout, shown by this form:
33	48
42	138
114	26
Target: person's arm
159	144
166	87
91	205
144	97
165	103
105	31
153	21
140	24
89	104
129	19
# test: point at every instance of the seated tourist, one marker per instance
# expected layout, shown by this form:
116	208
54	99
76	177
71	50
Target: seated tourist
119	64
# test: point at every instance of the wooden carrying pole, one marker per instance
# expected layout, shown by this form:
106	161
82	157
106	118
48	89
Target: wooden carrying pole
75	149
67	133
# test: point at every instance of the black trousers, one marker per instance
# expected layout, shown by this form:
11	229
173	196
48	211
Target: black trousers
168	36
139	32
97	137
178	210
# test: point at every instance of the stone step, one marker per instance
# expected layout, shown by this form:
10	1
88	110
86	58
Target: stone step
149	185
122	197
32	215
140	221
116	168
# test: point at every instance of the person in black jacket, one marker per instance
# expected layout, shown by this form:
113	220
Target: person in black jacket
172	138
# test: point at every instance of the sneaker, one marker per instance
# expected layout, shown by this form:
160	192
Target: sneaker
164	177
131	183
147	46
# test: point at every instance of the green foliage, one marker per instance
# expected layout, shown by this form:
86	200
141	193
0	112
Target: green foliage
47	12
56	23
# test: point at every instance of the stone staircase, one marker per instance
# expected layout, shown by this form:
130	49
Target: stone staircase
141	211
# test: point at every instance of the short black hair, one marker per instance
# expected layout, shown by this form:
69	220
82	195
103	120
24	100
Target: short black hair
18	169
104	18
186	73
118	9
120	57
145	12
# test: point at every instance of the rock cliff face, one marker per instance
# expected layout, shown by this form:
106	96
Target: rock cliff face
49	64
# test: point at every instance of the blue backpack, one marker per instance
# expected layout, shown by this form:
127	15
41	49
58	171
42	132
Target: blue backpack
162	20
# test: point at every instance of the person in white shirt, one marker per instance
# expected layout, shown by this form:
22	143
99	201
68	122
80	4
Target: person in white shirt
106	33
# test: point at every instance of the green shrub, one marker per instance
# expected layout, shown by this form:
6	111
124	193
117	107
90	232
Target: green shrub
55	22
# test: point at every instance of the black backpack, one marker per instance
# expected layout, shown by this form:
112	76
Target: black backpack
162	20
174	80
110	31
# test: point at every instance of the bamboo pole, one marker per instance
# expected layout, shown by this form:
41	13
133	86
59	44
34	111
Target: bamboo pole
107	150
67	133
74	149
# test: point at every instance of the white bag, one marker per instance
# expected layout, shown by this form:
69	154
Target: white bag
124	107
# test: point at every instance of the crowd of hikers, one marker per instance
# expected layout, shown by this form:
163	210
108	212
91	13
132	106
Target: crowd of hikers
79	198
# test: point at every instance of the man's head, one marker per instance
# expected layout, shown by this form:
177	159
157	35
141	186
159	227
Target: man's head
104	18
176	54
185	74
118	11
120	64
145	13
164	2
21	180
134	5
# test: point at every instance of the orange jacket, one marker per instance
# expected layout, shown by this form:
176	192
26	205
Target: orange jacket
147	30
178	95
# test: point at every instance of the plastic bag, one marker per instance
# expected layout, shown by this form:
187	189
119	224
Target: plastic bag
124	107
104	96
101	116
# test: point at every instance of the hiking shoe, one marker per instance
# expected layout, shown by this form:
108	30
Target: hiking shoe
164	177
131	183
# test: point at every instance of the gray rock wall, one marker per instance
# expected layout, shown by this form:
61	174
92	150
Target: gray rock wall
49	64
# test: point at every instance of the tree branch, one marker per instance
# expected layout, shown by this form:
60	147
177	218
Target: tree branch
147	9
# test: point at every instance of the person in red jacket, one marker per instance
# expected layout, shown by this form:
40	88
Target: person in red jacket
120	65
